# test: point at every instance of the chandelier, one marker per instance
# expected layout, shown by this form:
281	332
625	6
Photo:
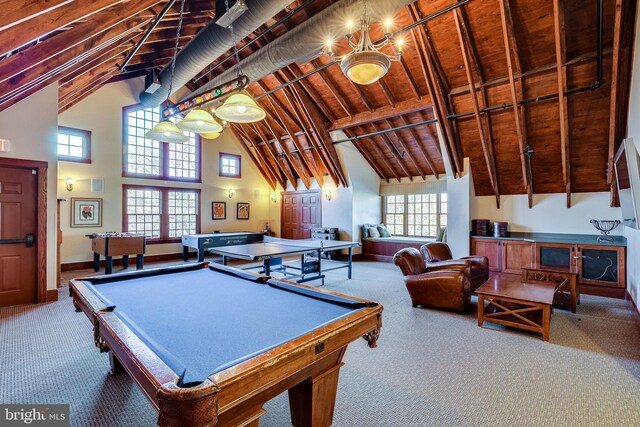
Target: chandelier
366	63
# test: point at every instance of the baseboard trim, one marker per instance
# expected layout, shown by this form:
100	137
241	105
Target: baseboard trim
633	307
603	291
52	295
83	265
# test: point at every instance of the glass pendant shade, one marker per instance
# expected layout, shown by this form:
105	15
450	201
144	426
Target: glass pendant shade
200	121
165	131
240	108
365	67
211	135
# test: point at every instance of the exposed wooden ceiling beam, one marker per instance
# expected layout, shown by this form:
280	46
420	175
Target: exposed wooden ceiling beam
295	163
418	141
387	92
310	90
80	35
16	12
309	168
311	113
565	146
483	133
328	82
279	162
258	162
382	113
440	104
78	95
412	82
406	152
43	24
625	13
283	108
395	152
66	62
370	159
266	164
517	90
374	147
361	96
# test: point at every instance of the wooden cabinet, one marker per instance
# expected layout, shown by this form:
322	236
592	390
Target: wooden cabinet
516	255
601	265
505	256
595	264
489	248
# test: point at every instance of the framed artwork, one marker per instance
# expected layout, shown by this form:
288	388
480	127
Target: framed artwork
243	211
86	212
218	210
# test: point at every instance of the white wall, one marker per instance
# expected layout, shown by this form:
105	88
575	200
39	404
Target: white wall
101	113
549	213
633	235
32	126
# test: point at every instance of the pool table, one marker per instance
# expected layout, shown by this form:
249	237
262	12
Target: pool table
209	345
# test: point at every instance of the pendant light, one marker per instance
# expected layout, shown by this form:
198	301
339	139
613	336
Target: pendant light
239	108
366	63
212	135
165	131
199	121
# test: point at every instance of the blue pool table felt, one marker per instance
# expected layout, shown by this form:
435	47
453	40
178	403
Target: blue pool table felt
201	322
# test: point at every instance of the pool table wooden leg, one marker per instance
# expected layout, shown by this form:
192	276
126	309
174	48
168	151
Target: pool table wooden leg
312	401
116	366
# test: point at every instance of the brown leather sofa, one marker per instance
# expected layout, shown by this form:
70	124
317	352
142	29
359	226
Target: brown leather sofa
438	255
441	287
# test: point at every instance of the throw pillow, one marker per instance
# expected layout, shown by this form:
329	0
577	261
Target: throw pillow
365	230
373	232
382	229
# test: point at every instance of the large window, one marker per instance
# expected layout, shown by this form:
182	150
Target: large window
145	158
417	215
74	145
163	214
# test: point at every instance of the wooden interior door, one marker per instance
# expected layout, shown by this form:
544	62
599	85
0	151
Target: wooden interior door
18	228
290	216
310	212
301	212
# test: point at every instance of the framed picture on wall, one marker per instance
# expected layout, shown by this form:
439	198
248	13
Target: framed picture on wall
243	211
218	210
86	212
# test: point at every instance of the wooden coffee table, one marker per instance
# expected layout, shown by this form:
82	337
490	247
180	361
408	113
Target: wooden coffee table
511	302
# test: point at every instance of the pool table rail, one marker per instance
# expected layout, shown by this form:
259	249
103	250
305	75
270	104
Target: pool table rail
307	366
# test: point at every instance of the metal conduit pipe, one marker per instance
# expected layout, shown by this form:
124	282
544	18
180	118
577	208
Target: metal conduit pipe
211	42
381	132
595	85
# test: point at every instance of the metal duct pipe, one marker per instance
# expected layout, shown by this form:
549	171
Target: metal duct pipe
306	41
211	42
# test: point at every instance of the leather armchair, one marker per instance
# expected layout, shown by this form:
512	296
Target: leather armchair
438	255
445	288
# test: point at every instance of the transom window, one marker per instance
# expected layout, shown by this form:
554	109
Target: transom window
162	214
415	215
229	165
146	158
74	145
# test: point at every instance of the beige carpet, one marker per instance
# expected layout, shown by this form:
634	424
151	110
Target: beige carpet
431	368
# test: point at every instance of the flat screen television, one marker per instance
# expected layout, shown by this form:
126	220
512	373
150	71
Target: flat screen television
627	165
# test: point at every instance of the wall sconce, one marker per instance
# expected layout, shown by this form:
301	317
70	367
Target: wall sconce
230	193
327	194
69	183
5	145
273	197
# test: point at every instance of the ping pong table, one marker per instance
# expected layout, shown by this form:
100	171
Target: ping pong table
271	251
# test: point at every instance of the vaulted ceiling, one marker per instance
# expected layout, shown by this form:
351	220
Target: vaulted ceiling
466	67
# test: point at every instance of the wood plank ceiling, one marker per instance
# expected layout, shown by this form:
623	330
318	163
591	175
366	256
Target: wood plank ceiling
470	65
